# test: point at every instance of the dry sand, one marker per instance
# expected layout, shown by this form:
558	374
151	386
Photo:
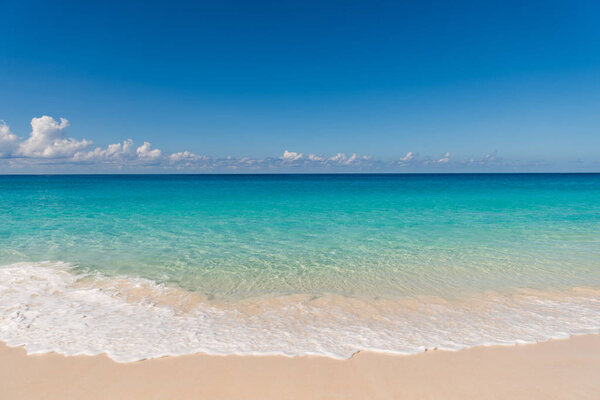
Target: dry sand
560	369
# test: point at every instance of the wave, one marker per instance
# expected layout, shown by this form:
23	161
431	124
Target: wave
48	307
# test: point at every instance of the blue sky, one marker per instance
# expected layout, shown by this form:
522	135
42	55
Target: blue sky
229	86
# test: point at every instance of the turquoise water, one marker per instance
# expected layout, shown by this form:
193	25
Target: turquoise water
233	239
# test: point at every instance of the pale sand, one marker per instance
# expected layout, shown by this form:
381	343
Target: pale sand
560	369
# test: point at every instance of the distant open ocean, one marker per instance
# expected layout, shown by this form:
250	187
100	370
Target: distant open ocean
143	266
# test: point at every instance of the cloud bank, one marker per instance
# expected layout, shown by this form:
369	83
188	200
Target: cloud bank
48	148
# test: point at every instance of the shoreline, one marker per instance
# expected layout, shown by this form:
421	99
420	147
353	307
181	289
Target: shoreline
48	308
555	369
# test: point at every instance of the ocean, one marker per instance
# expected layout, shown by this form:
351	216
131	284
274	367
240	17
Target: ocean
145	266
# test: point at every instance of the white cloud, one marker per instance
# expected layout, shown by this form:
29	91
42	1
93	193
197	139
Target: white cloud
291	156
338	158
352	159
487	160
48	145
48	140
342	159
8	140
245	160
408	157
113	152
444	159
145	153
186	156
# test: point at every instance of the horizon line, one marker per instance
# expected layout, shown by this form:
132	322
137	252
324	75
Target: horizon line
309	173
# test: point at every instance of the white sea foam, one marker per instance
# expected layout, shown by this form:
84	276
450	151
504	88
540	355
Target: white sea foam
46	307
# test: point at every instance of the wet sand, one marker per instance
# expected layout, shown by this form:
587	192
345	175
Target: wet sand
558	369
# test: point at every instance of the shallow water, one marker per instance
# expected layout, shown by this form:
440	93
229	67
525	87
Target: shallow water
296	264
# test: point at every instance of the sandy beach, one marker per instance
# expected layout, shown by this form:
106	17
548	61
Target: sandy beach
558	369
299	200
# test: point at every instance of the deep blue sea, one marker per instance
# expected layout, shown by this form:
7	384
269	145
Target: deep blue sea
141	266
